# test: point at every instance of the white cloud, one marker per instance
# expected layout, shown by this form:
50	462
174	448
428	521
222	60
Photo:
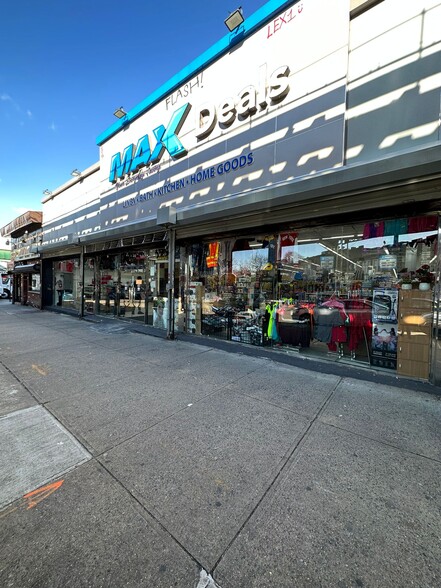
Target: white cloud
52	126
7	98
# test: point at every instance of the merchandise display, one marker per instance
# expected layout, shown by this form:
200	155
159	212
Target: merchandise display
313	291
362	293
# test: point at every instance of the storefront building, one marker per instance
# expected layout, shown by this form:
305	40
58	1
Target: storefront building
282	190
23	281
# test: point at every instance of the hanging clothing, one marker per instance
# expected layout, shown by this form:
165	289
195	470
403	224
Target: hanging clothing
326	319
372	230
294	325
272	323
420	224
360	322
224	260
213	254
197	252
396	226
339	334
287	239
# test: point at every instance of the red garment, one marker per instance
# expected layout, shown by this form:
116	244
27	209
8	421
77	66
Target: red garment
287	239
339	334
372	230
360	323
420	224
355	335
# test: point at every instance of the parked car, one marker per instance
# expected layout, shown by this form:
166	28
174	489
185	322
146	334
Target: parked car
5	286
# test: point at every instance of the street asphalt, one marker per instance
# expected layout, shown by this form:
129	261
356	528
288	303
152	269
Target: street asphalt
130	460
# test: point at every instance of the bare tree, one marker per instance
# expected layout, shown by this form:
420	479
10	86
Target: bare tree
257	261
253	263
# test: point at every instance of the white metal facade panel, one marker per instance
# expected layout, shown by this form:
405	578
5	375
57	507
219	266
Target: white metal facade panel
394	80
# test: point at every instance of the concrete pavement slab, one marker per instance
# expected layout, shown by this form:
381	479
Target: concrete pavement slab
30	339
28	314
35	450
203	470
8	318
63	354
109	415
70	325
189	373
164	352
13	396
123	343
347	511
201	446
69	370
90	532
54	321
406	419
288	388
21	313
209	366
104	416
8	307
22	325
115	336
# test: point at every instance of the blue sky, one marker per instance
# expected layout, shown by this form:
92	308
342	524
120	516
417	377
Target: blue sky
67	64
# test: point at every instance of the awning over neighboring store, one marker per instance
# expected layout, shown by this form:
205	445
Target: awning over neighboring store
33	268
29	220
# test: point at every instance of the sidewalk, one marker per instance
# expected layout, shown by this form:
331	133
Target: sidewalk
179	464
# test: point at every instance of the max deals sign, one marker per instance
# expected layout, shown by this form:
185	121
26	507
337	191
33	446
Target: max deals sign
269	110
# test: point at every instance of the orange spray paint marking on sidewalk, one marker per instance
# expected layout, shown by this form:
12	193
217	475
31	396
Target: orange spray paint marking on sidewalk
31	499
36	496
39	369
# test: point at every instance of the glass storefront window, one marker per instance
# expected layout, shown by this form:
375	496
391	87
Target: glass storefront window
128	285
121	285
334	291
359	292
67	284
35	283
89	285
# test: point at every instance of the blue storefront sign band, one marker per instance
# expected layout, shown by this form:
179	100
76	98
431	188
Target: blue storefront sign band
203	175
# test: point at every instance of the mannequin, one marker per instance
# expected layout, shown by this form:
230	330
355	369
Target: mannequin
59	286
